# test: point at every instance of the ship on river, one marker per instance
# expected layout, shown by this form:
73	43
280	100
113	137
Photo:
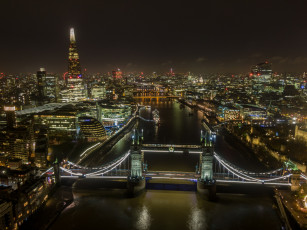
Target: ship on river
156	117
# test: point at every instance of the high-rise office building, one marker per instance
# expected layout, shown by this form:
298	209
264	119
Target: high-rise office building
74	67
47	86
75	88
51	87
18	143
10	116
117	76
262	71
41	79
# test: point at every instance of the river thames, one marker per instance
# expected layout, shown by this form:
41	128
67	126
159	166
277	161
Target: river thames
157	209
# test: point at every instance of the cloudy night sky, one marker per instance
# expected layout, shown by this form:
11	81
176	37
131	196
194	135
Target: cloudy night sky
198	36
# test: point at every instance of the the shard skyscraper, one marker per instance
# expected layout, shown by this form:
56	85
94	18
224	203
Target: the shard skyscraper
74	67
75	87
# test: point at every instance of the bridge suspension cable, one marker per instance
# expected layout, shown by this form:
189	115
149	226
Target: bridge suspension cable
76	165
144	119
249	172
109	167
234	171
46	171
304	176
242	175
70	172
100	170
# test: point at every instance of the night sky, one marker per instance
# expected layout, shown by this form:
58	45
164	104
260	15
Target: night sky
148	35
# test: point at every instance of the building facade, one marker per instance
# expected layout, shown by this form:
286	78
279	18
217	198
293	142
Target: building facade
6	215
92	129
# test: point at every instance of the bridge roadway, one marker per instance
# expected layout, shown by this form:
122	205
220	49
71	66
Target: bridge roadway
169	145
168	148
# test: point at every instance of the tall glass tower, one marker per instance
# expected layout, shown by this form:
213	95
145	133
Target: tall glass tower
74	67
75	90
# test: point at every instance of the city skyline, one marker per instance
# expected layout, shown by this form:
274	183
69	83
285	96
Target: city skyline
133	36
130	114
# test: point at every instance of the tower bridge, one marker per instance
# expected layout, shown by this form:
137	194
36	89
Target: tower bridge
211	170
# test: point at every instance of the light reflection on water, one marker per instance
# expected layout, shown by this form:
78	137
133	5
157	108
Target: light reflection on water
168	210
144	219
196	219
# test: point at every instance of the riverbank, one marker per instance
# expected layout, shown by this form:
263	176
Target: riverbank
290	210
99	155
100	150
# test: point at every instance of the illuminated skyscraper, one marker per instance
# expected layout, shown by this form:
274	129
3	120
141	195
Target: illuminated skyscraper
74	67
47	87
117	76
75	90
51	87
41	78
10	116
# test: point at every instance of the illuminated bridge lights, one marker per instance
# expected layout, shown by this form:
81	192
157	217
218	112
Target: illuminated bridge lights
110	167
242	176
48	170
304	176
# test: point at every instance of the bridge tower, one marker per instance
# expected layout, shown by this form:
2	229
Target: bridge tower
206	183
206	158
136	179
56	169
295	180
296	175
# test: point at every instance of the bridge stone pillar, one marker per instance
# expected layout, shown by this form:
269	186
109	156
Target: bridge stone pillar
136	179
206	183
295	180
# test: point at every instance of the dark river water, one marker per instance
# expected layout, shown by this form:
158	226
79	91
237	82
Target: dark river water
156	209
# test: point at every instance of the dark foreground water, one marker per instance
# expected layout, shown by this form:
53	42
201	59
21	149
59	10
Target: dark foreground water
168	210
172	209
